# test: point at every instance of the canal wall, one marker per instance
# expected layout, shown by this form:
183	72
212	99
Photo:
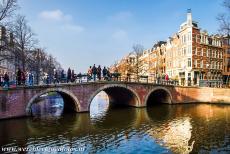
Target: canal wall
77	97
201	95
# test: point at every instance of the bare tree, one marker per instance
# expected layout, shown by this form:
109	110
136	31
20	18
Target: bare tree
138	51
24	41
7	8
224	19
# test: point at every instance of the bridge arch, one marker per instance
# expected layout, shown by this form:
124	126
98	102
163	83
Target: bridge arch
158	95
73	104
117	93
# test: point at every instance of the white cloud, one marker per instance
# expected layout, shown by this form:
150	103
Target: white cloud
120	35
121	16
55	15
73	28
60	20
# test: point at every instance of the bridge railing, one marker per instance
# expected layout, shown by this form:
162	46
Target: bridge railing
116	77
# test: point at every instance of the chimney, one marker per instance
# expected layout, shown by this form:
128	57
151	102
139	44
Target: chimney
189	17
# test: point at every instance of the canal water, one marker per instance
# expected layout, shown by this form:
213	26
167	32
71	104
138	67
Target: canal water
187	128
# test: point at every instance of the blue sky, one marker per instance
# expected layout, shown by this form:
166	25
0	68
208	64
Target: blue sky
80	33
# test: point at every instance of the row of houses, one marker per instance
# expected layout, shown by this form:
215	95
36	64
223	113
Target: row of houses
190	55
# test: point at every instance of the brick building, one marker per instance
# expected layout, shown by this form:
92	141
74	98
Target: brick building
193	55
189	56
226	59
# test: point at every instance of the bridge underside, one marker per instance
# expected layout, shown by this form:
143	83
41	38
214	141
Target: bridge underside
119	96
69	103
158	96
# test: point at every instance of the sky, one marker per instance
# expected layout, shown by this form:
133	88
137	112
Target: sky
80	33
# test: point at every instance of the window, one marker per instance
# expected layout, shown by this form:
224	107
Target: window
201	52
184	51
189	62
201	64
195	63
195	51
189	36
189	49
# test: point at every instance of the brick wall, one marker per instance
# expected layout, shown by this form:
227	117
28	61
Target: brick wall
16	102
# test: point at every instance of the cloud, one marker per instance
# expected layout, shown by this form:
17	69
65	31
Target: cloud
120	35
54	15
60	20
121	16
73	28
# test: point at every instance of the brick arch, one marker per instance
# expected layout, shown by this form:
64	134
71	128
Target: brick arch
106	87
155	89
58	90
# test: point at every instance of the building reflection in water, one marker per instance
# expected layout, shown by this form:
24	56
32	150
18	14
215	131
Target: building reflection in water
174	135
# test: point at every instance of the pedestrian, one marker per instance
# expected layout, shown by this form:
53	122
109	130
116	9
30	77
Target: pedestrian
109	74
94	71
80	77
31	79
6	80
47	79
104	73
62	76
56	80
99	72
69	75
89	75
23	78
1	80
72	76
19	77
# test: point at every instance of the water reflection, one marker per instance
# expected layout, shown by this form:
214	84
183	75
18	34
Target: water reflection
160	129
48	105
99	105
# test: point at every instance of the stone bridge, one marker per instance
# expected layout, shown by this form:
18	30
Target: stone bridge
16	102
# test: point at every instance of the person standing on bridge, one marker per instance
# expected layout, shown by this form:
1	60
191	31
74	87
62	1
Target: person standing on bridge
99	72
31	79
89	73
94	71
6	80
56	79
104	73
69	75
1	80
19	76
62	76
72	76
23	78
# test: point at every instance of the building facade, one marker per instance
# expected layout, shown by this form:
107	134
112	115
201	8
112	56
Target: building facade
6	61
193	55
189	56
226	59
